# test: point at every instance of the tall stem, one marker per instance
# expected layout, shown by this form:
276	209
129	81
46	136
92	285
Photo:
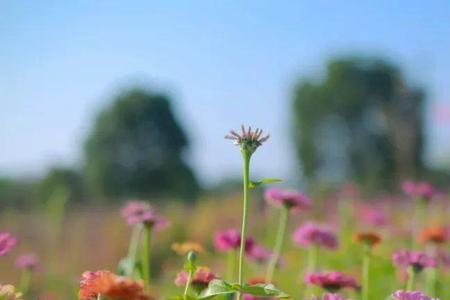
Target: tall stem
431	274
132	249
311	266
231	265
146	253
366	272
25	279
278	243
411	275
188	283
246	180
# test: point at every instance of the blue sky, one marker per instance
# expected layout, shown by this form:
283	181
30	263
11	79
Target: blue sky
223	62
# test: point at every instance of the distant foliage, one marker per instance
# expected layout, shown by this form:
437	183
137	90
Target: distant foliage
361	121
136	150
61	179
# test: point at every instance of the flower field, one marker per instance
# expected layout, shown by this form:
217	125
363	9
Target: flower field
267	242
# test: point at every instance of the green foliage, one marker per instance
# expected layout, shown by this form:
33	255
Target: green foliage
361	122
136	149
17	193
219	287
254	184
61	184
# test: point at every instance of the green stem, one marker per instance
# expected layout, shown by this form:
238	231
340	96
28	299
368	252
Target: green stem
246	180
146	253
133	249
365	273
411	277
25	279
278	243
188	283
231	265
431	274
311	266
99	297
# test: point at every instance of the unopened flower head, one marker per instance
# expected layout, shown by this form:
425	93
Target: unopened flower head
248	140
28	262
186	247
368	238
7	242
311	234
410	295
332	281
200	280
416	259
290	199
8	292
110	285
140	212
230	239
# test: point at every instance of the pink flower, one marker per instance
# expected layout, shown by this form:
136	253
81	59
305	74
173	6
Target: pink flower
201	278
420	189
314	234
136	212
372	215
230	239
332	281
330	296
290	199
258	253
7	242
417	259
27	262
410	295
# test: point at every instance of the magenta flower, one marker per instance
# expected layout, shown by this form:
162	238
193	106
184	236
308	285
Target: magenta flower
27	262
7	242
420	189
410	295
314	234
332	281
372	215
139	212
230	239
417	259
258	253
290	199
201	278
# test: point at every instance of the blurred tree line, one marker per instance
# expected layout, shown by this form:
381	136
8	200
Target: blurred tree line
360	121
136	148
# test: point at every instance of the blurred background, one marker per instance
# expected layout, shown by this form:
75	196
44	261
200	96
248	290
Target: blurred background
103	101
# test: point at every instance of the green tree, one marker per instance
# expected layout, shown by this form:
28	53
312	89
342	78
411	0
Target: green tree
61	179
136	149
361	121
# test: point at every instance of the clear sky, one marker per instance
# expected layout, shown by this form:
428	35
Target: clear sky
224	62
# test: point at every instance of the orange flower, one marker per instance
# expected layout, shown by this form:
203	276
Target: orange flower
436	234
369	238
108	284
186	247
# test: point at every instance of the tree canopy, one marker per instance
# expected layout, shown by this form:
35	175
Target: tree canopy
361	121
136	149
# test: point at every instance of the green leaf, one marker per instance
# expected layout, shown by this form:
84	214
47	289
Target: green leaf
264	290
254	184
217	287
